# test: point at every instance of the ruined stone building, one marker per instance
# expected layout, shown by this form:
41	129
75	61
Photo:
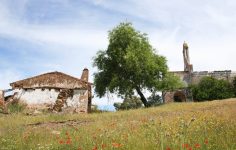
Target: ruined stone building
188	76
2	102
55	91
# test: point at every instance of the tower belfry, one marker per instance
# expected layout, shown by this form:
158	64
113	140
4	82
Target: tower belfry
187	66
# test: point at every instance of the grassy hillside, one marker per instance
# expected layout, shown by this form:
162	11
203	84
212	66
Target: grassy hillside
176	126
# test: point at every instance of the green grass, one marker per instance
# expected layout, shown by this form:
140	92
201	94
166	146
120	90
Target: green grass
175	126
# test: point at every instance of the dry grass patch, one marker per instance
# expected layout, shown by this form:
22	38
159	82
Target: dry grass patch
206	125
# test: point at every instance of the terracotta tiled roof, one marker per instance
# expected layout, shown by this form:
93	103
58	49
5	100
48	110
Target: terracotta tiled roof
52	80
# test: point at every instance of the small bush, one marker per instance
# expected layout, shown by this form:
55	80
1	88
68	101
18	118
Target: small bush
132	102
210	88
234	86
94	109
154	100
1	110
16	107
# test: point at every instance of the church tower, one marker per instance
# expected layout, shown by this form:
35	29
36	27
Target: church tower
187	66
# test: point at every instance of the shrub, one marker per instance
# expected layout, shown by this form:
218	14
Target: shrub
16	107
154	100
234	86
95	109
132	102
210	88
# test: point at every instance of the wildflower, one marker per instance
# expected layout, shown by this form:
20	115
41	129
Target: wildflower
112	124
104	146
95	148
206	141
168	148
61	142
68	138
79	148
185	145
67	133
55	132
144	120
94	137
116	145
197	145
125	136
190	148
68	141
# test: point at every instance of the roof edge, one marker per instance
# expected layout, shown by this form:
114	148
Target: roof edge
80	80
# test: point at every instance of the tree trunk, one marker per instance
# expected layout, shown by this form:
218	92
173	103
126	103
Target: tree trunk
143	99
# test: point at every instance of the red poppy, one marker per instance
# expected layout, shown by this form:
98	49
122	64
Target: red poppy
185	145
61	142
95	148
197	145
206	141
190	148
104	146
68	142
168	148
116	145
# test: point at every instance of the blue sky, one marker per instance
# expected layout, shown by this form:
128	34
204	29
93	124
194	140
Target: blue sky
38	36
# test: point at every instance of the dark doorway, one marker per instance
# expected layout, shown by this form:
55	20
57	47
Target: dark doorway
179	97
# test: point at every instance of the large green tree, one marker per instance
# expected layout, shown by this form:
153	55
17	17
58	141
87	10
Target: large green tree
130	64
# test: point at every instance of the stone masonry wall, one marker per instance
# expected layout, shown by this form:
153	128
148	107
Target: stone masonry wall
189	77
195	77
168	96
1	99
57	99
226	75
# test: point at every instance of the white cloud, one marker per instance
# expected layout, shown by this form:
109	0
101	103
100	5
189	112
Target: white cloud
54	35
69	35
8	76
209	27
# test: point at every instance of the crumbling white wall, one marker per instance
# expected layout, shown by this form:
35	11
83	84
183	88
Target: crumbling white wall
75	100
84	102
2	100
78	101
1	95
34	97
37	96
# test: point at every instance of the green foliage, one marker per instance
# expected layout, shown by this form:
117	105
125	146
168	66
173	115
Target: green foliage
130	64
1	109
94	109
16	107
154	100
129	103
134	102
171	82
210	88
234	86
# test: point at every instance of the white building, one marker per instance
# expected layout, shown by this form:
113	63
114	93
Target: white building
56	91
